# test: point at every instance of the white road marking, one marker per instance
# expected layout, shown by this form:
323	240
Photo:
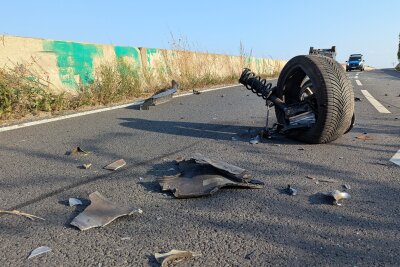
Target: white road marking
358	82
27	124
375	102
396	158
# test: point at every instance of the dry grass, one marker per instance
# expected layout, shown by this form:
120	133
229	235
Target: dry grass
22	94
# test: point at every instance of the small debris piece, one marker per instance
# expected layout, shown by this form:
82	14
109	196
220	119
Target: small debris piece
195	92
290	190
174	256
249	255
201	176
101	212
301	149
19	213
125	238
357	99
346	186
74	201
87	166
38	251
255	140
78	150
321	180
386	94
364	137
336	196
115	165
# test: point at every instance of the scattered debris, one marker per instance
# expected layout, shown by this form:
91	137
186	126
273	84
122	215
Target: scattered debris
159	218
346	186
160	97
249	255
78	150
101	212
195	92
341	158
201	176
87	166
290	190
336	196
357	99
364	137
74	201
174	256
19	213
255	140
141	179
386	94
317	181
301	149
38	251
115	165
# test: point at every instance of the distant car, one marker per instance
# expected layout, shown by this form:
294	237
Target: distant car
355	62
329	52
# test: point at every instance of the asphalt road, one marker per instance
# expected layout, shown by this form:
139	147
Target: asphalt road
234	227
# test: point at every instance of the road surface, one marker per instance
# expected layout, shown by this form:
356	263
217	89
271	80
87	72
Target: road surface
234	227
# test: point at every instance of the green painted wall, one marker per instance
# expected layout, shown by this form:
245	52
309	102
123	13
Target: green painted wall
74	59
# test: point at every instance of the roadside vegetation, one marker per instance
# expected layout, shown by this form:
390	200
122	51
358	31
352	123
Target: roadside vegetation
398	56
22	94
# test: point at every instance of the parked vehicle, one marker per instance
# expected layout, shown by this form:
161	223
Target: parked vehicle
355	62
328	52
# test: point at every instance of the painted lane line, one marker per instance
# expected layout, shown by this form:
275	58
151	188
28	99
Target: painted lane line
358	82
75	115
375	102
396	158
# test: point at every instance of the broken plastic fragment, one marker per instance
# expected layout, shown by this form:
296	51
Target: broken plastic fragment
74	201
195	92
336	196
38	251
255	140
19	213
174	256
160	97
115	165
201	176
87	165
101	212
78	150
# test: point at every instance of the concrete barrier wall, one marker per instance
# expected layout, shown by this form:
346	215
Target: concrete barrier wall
64	65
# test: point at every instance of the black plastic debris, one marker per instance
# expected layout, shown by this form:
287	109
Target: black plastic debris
357	99
201	176
101	212
160	97
195	92
290	190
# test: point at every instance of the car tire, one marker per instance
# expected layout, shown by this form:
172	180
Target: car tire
333	97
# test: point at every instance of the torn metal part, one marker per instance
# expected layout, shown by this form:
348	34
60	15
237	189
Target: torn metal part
174	256
38	251
201	176
101	212
290	190
78	150
23	214
255	140
159	98
336	196
115	165
74	201
364	137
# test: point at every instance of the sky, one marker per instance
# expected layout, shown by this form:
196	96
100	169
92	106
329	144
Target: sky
280	29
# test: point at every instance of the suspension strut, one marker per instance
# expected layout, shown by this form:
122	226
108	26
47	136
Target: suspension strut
260	87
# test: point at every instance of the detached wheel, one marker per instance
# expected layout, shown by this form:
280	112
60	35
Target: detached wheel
323	83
